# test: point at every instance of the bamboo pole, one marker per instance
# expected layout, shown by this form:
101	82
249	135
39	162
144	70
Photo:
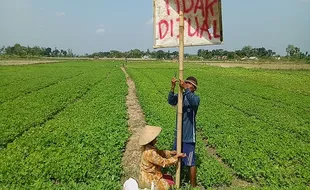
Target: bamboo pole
180	97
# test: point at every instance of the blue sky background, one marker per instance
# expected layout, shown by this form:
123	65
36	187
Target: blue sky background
103	25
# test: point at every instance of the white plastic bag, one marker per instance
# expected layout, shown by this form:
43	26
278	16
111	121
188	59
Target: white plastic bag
130	184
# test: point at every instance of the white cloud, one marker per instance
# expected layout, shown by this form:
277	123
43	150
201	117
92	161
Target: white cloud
149	22
100	30
59	14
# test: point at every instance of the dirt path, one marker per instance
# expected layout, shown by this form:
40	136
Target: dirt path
136	122
236	181
262	66
25	62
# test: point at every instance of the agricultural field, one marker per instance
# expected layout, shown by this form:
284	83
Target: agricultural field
257	121
56	126
64	125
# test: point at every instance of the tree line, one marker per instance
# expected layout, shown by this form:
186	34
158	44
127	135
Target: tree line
246	52
22	51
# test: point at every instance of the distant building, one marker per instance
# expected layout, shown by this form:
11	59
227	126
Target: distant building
249	58
253	58
146	57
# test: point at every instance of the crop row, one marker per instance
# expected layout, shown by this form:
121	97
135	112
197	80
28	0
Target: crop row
18	81
36	108
265	140
258	125
81	148
153	89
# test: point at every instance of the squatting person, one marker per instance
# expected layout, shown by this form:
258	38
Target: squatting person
153	160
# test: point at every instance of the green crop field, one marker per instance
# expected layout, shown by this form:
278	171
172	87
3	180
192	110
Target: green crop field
57	130
64	125
257	120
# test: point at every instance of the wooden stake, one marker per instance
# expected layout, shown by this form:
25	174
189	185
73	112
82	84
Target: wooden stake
180	98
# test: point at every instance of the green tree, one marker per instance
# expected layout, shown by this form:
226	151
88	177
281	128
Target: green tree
48	52
2	50
175	54
8	50
17	49
271	53
160	54
37	51
148	52
116	54
231	55
246	50
70	53
135	53
262	52
63	53
206	54
55	52
291	50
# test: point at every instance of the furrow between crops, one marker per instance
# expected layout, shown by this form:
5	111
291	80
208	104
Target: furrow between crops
269	99
136	122
159	113
41	88
81	148
153	83
237	180
53	114
295	133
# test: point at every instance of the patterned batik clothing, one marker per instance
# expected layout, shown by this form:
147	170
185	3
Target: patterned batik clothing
151	164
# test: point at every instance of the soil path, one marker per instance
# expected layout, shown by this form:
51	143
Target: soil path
236	181
262	66
25	62
136	122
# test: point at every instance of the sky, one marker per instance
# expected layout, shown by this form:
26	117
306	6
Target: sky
104	25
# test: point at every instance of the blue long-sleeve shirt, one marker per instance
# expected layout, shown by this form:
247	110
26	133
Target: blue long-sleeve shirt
190	107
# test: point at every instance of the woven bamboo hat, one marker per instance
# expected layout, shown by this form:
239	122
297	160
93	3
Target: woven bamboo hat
148	134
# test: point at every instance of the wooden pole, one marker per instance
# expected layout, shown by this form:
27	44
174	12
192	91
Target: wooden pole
180	98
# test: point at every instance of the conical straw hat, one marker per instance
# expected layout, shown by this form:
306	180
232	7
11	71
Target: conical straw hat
148	134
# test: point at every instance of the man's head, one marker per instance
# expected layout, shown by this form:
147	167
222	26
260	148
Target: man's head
191	83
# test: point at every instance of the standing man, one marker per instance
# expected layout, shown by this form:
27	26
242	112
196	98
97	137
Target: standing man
190	107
